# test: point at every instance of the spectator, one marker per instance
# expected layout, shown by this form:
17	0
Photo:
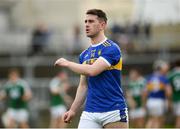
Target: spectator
133	30
77	40
147	30
40	39
117	30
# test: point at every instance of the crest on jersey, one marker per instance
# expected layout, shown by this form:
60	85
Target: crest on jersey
93	53
99	52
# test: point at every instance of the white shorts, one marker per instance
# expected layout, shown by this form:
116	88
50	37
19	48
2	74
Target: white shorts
58	110
19	115
176	108
137	113
98	120
156	107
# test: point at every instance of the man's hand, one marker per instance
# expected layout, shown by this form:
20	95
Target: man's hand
61	62
67	117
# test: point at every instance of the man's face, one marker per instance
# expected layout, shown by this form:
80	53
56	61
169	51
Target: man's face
93	25
133	75
165	69
13	76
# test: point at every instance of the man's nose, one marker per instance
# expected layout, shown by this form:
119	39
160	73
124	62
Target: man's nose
87	26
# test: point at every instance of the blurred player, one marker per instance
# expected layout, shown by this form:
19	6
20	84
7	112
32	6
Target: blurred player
174	78
158	92
134	97
58	89
100	82
17	93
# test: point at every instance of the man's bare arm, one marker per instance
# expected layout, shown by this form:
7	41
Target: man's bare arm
168	92
80	94
2	95
79	100
28	95
91	70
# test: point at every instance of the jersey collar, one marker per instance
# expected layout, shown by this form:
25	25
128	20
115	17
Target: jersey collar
95	45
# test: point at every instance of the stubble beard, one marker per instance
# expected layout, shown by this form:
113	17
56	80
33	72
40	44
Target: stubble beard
93	35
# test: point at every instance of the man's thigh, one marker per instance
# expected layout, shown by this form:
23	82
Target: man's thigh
117	125
115	118
88	124
88	120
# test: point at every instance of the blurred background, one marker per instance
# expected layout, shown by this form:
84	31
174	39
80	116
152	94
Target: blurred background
34	33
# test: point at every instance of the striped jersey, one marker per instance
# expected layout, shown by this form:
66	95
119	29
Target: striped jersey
104	90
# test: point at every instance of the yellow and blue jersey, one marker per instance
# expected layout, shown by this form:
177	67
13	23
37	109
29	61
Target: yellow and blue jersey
156	85
104	90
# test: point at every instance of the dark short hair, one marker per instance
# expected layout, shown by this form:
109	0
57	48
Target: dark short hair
14	70
158	64
137	69
99	13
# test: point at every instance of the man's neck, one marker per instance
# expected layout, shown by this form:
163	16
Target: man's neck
99	38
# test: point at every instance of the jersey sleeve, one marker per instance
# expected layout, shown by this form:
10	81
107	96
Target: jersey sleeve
5	89
111	55
25	86
143	83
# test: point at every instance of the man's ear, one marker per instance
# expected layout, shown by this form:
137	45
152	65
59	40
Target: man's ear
103	24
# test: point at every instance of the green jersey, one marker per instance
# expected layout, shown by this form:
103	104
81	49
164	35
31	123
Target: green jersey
14	93
136	88
174	78
56	99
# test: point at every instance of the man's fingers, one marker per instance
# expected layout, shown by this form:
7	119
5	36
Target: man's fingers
65	116
61	62
56	63
68	118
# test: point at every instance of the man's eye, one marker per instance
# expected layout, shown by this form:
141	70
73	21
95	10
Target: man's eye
91	21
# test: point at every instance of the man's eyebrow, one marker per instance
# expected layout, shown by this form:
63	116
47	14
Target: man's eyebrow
90	20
